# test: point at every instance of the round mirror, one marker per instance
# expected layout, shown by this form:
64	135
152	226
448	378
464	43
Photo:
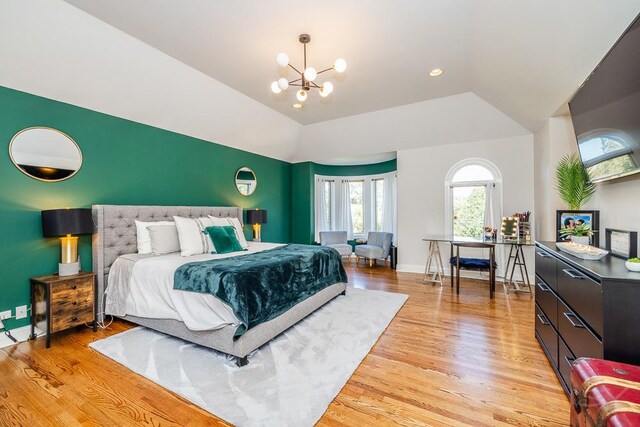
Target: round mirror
45	154
246	181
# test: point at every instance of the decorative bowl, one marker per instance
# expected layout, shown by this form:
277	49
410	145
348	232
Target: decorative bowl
586	252
633	266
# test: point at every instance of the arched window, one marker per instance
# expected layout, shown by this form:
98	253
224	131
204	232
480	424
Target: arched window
473	193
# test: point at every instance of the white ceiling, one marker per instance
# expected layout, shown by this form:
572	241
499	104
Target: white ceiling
524	57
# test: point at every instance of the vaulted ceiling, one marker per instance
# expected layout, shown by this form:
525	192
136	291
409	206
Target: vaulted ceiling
526	58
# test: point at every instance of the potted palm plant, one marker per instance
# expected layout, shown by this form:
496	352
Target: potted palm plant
575	190
571	182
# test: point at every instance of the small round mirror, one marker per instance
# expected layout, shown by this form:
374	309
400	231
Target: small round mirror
246	181
45	154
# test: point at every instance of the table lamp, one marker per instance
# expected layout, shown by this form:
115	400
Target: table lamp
257	217
65	222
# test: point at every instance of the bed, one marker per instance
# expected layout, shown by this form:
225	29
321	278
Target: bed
115	236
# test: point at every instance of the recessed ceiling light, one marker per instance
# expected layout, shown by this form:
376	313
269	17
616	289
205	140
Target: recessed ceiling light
297	106
436	72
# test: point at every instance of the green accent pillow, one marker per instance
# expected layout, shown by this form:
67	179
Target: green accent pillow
224	239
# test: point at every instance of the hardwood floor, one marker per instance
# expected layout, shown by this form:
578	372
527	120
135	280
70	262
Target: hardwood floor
444	360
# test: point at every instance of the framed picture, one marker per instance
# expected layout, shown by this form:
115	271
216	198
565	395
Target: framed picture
569	219
621	243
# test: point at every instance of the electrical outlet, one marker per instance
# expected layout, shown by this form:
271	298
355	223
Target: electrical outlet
21	312
5	315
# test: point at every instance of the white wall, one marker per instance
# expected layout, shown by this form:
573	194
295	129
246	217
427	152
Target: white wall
552	142
421	190
450	120
52	49
618	201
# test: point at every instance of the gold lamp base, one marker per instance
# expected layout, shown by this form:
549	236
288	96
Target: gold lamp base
256	232
69	262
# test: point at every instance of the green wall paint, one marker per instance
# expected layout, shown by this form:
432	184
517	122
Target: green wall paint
303	204
124	163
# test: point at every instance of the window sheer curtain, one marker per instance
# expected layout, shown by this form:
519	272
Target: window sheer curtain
390	206
343	208
493	218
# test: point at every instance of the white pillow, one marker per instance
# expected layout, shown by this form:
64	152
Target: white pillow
142	235
164	239
193	241
221	222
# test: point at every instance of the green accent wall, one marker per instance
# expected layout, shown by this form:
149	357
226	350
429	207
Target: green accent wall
303	203
124	163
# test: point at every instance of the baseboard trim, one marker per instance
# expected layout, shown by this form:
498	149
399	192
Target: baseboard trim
21	334
412	268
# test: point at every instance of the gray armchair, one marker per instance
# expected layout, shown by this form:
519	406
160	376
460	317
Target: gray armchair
338	241
378	247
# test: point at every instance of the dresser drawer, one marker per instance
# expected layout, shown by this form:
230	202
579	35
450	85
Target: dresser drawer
546	268
581	341
565	363
547	300
582	294
547	336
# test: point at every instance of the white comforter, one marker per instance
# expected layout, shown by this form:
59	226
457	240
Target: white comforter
142	285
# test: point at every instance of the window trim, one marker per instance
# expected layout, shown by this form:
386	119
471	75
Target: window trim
449	185
367	195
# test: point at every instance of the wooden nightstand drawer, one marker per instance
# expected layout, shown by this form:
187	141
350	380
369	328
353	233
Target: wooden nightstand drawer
65	319
61	303
84	285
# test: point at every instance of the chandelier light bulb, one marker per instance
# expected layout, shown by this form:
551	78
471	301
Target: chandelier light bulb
340	65
275	88
283	84
282	59
310	74
326	90
301	95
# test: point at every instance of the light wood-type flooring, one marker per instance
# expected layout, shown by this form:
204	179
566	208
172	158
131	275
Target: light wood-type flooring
444	360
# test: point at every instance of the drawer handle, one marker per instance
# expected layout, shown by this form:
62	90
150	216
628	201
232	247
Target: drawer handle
569	317
74	318
75	302
543	287
543	319
569	360
543	255
573	274
74	287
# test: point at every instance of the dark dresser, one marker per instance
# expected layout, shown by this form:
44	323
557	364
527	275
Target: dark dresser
585	309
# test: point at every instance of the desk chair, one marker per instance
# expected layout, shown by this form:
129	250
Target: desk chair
475	264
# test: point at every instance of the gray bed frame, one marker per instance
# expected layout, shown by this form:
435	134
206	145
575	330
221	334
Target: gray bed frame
115	235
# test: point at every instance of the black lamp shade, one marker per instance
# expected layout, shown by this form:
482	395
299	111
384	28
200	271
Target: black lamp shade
257	216
60	222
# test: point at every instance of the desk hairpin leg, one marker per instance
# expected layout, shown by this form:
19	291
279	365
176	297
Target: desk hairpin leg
516	253
435	259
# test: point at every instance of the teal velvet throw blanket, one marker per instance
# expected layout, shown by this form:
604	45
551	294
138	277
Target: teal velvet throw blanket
261	286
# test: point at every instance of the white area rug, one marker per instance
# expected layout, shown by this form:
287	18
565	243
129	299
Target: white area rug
289	382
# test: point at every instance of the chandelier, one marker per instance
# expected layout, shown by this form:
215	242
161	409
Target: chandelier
308	76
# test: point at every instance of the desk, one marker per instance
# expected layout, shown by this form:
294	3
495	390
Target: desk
515	260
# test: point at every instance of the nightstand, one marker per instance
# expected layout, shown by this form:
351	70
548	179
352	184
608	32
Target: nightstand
62	302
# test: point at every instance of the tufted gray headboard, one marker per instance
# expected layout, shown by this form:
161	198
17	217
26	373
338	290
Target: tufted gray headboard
115	232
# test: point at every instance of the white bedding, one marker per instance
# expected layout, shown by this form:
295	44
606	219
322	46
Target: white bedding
142	285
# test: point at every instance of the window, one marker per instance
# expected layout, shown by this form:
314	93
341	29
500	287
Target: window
356	195
473	198
355	204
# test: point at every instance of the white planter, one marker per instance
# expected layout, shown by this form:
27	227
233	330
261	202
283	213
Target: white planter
633	266
581	240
